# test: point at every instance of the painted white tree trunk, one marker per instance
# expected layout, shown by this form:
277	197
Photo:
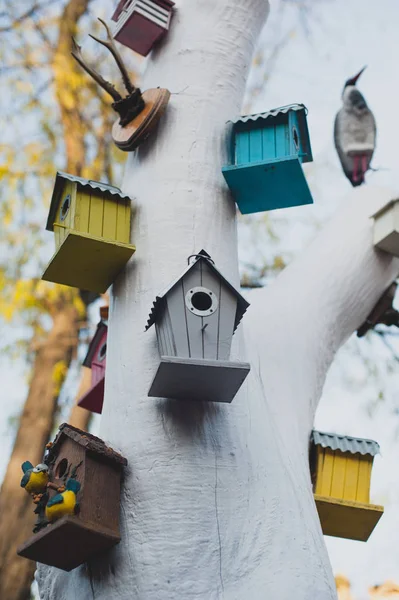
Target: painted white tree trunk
217	501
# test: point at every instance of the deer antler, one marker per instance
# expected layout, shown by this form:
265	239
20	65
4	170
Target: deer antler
110	44
108	87
129	107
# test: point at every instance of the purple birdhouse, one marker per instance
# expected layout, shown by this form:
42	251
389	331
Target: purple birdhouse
96	361
140	24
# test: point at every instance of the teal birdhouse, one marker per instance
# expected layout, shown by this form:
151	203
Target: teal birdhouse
267	152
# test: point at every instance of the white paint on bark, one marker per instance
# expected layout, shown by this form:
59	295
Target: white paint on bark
217	502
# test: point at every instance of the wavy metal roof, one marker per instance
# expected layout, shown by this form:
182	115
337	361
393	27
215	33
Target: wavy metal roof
105	188
242	304
270	113
345	443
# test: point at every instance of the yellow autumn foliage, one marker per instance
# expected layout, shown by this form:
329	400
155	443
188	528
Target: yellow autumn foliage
58	376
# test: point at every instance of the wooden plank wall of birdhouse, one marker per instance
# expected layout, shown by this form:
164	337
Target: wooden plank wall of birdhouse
260	140
293	123
227	313
61	231
343	475
101	216
98	364
165	335
101	493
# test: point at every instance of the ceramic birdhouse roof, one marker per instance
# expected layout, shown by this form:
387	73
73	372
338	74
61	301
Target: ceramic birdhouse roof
93	346
89	442
242	304
345	443
107	190
301	111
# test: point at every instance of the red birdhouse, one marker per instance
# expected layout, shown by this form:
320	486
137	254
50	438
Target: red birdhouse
141	23
96	361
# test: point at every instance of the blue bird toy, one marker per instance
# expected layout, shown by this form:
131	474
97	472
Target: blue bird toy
64	503
34	479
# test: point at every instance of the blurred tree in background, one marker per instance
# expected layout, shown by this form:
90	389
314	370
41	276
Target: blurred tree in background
52	117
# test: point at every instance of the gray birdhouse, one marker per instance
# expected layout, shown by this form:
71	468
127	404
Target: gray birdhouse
195	319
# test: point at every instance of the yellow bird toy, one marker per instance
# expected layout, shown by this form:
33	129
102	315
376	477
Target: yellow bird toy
35	479
64	503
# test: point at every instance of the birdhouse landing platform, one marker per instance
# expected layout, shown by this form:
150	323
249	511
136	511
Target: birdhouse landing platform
201	379
68	543
347	519
262	186
87	262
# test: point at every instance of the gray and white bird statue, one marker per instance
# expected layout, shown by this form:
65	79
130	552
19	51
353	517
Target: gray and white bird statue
354	132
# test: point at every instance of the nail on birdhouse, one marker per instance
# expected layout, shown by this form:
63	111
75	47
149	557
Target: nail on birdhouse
195	319
341	471
140	24
267	152
91	224
386	228
138	112
95	360
84	468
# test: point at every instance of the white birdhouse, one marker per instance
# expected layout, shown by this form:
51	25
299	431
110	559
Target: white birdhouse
386	228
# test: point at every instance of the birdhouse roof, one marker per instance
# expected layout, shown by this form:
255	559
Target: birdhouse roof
271	113
108	190
345	443
166	4
89	442
101	329
242	304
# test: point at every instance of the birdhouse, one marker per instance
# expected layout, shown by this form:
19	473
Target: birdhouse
267	152
341	471
195	319
91	224
96	360
386	228
73	539
140	24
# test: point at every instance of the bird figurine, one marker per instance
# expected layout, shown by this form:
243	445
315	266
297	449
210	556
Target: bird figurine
35	479
354	132
383	312
64	503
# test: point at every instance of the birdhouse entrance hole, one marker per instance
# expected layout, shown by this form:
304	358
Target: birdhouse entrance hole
201	301
61	468
102	352
65	207
295	137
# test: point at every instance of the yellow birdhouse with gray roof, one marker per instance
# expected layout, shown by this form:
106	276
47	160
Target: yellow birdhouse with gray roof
341	472
91	224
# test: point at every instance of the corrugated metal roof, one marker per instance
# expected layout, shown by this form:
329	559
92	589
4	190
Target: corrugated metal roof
109	190
345	443
270	113
242	304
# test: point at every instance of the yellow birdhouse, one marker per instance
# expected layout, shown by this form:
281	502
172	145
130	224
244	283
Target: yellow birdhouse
341	471
91	224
